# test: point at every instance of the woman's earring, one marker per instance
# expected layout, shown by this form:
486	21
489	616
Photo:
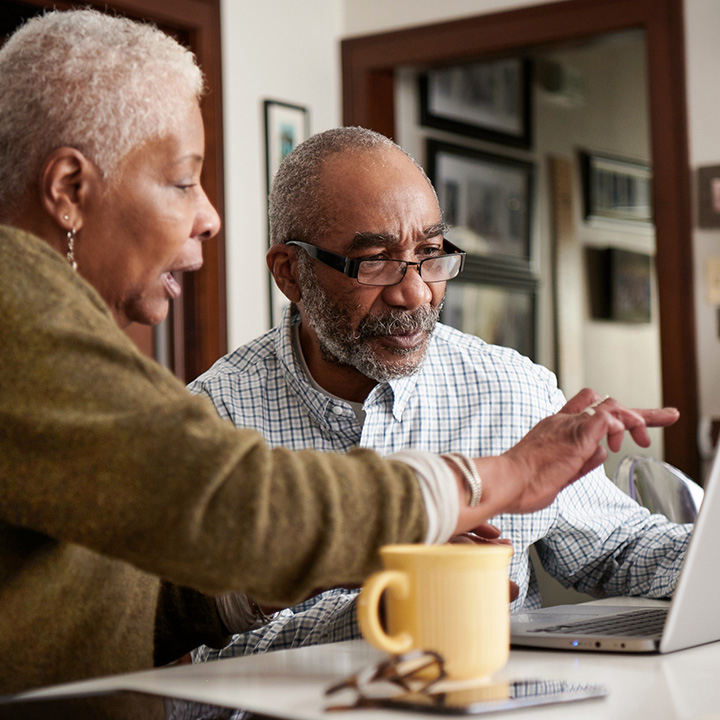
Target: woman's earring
71	249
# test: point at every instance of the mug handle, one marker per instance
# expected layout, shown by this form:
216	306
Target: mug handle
368	609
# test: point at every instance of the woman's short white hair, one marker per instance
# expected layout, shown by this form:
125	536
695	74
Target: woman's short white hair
95	82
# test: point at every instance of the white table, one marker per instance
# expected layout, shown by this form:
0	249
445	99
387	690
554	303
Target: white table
290	683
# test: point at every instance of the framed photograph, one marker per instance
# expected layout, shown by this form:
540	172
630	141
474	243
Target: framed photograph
286	126
619	284
488	100
501	314
486	199
616	189
708	183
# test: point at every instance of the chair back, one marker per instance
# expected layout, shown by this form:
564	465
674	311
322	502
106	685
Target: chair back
660	487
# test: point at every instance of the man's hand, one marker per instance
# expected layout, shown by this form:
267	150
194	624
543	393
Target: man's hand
484	534
556	452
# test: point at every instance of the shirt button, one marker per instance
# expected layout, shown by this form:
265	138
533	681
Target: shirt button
337	410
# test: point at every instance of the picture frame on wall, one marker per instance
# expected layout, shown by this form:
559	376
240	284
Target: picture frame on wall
501	312
619	284
286	126
486	199
490	100
616	189
708	185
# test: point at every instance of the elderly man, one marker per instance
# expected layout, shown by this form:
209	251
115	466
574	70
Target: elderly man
360	359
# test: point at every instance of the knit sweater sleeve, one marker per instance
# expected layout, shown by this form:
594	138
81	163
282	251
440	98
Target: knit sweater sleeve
103	448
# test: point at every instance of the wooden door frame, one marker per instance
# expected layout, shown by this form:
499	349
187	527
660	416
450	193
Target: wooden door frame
200	318
368	65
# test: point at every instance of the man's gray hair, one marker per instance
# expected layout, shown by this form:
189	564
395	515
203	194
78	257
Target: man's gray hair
297	205
100	84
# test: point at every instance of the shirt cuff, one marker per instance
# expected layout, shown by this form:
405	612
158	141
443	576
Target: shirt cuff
439	489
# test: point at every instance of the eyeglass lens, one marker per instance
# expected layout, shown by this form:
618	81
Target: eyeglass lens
391	272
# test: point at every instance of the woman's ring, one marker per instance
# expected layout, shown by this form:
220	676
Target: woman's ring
590	409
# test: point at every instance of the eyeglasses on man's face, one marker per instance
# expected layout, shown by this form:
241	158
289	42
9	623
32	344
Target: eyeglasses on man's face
390	272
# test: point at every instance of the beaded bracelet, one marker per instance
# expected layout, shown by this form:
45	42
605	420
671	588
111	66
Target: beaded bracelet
467	467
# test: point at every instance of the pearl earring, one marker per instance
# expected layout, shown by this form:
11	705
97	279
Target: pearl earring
71	249
71	235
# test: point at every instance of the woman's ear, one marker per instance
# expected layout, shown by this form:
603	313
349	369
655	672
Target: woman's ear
66	181
282	263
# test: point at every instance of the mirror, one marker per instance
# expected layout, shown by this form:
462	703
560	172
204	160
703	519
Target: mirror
587	306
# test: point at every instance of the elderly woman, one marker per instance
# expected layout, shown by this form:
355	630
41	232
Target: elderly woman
126	505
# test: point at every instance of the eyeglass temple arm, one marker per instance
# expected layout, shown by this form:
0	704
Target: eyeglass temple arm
331	259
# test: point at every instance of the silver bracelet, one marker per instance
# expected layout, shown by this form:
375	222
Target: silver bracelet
467	467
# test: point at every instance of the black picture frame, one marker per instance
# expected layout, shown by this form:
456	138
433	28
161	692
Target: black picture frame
616	189
619	284
487	199
490	100
286	126
708	193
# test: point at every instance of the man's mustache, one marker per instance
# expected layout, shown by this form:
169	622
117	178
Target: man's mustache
399	322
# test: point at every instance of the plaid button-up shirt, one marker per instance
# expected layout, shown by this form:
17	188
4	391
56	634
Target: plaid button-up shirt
470	397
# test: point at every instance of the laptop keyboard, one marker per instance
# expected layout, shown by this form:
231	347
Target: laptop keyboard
636	623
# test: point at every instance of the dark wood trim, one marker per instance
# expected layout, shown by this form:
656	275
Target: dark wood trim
368	63
199	322
673	228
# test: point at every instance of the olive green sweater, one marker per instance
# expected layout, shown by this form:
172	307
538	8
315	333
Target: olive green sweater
112	476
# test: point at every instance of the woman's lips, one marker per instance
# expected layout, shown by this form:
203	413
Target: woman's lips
173	287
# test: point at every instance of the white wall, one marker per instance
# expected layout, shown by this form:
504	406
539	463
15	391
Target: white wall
276	50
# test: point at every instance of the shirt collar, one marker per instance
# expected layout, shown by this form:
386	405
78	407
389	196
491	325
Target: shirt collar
332	413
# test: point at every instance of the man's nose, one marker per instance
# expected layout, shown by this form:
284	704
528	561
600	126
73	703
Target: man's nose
410	293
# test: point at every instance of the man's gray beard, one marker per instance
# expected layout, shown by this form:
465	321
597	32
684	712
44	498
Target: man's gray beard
341	345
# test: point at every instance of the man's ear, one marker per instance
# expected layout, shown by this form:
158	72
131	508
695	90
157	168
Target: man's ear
282	263
66	181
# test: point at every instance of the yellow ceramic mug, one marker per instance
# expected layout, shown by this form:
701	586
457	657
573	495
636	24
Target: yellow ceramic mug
454	599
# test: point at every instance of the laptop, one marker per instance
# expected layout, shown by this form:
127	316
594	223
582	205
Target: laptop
691	618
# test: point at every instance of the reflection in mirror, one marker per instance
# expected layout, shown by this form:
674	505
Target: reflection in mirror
587	99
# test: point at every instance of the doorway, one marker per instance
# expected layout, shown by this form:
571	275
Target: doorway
369	67
568	283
